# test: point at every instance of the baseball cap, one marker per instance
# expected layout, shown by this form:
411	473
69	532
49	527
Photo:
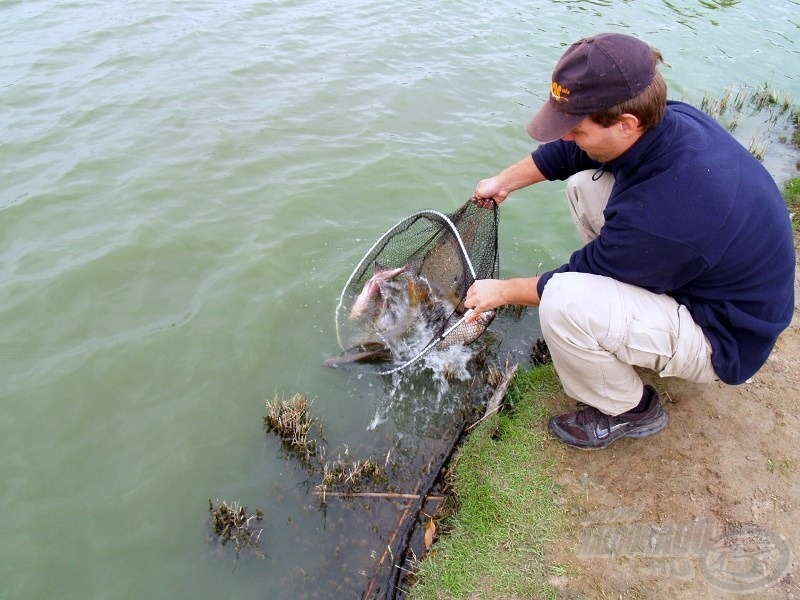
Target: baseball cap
594	74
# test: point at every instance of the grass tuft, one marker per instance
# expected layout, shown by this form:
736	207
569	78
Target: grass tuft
292	421
232	523
791	193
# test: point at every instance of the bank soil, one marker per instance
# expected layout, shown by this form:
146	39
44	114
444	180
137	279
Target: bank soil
708	508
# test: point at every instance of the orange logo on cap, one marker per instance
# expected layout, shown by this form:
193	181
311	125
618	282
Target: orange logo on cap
559	93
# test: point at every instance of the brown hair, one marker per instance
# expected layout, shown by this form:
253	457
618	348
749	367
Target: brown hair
648	106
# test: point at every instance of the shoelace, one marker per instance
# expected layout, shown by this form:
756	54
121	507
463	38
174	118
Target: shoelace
590	414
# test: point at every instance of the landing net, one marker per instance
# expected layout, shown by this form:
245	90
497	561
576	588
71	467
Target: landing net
405	297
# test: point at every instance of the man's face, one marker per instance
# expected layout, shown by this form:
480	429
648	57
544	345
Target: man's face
602	144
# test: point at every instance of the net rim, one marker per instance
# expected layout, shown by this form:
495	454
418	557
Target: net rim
439	214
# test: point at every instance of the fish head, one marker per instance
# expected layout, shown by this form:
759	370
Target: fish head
367	301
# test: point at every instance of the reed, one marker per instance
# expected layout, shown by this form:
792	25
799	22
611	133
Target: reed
350	476
232	523
292	421
738	102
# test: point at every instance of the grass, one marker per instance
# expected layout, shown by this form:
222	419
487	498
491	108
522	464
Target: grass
494	545
784	467
791	193
791	189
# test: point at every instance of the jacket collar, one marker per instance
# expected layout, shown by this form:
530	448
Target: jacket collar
646	145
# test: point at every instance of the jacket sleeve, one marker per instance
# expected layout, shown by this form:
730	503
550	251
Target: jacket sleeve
560	160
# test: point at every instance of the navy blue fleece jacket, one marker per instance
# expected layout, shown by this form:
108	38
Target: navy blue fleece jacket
694	215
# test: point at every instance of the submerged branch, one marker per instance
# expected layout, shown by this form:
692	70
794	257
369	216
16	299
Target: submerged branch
387	495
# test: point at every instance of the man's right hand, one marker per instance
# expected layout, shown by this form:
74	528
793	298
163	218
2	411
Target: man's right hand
489	190
497	188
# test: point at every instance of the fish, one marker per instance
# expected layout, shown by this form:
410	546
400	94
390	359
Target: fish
400	314
368	352
371	290
466	333
406	301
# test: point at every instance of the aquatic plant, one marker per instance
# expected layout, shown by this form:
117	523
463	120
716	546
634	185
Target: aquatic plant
540	353
758	147
736	99
232	523
292	421
350	475
494	376
735	102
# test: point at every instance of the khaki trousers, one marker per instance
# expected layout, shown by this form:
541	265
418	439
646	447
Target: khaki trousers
597	329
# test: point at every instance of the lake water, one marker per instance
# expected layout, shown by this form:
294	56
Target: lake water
184	189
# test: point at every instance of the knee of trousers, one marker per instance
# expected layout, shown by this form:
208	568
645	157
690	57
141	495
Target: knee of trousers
577	305
581	179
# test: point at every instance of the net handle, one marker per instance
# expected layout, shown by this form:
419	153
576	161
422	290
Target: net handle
419	213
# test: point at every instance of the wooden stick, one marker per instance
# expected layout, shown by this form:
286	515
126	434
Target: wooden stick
497	398
374	495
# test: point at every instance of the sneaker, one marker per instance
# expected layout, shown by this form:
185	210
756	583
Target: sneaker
590	429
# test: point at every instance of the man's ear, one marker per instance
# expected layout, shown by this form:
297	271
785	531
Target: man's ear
629	124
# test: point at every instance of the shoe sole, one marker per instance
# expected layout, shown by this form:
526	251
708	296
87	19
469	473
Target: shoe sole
657	426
